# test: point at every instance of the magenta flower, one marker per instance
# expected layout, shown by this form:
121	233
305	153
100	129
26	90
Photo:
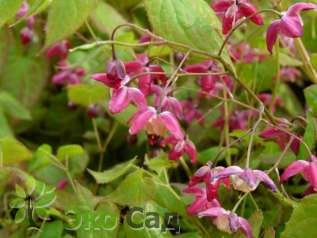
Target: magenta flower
155	123
232	10
23	9
281	137
244	53
122	95
307	168
201	203
68	76
237	121
227	221
191	112
266	98
290	74
290	24
58	50
210	85
180	147
245	180
166	102
26	35
206	174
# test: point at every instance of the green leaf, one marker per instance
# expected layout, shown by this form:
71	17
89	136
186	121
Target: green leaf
69	151
159	163
106	18
37	6
303	220
5	129
113	173
192	23
311	95
12	151
132	191
87	94
13	107
65	17
8	9
51	230
310	137
256	221
42	157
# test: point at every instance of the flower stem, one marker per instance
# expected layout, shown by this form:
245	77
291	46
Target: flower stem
308	67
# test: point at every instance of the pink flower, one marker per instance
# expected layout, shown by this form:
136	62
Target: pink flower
67	76
307	168
122	95
290	24
58	50
266	98
181	147
155	123
210	85
206	174
245	180
290	74
23	9
166	102
237	121
191	112
244	53
201	203
227	221
26	35
281	137
232	10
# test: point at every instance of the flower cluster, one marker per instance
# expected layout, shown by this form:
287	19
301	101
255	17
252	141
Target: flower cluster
206	203
136	82
27	32
66	74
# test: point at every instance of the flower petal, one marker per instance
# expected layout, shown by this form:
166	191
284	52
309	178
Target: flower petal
245	227
265	179
172	125
295	9
291	26
120	100
232	170
213	212
293	169
271	35
137	97
247	10
190	149
139	119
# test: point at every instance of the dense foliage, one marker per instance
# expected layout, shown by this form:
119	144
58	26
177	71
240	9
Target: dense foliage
158	118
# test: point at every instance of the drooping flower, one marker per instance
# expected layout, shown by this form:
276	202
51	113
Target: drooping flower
166	102
26	35
67	75
180	147
237	121
212	84
23	9
267	98
245	180
122	95
232	10
155	123
59	50
205	175
307	168
290	74
227	221
290	24
191	112
244	53
281	137
201	202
